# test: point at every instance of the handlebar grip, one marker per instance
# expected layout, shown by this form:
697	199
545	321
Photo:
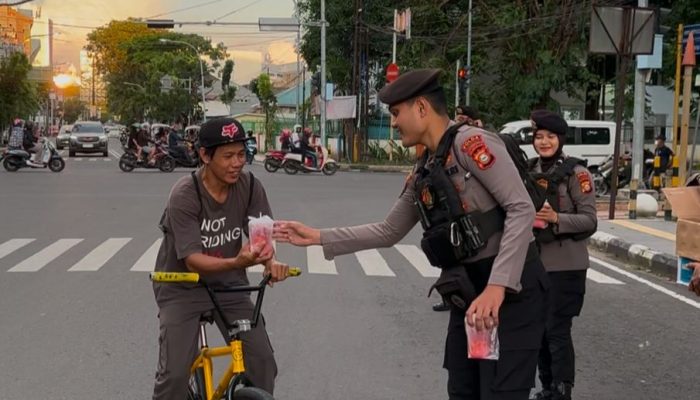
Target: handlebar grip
294	271
192	277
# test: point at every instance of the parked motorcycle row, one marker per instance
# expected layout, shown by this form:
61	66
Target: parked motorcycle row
602	174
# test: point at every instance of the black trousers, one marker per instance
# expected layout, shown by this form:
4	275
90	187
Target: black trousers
522	321
557	358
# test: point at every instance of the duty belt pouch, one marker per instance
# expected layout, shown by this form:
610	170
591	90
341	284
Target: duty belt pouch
455	287
444	245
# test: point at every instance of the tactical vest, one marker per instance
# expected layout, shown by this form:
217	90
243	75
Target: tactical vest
450	234
550	182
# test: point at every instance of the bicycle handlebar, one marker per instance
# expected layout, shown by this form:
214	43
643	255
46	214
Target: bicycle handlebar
193	277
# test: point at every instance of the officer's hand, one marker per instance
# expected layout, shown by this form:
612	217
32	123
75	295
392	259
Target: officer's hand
483	312
548	214
296	233
279	271
694	285
249	256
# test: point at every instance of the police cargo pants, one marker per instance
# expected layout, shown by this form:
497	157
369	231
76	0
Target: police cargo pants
179	331
556	363
521	318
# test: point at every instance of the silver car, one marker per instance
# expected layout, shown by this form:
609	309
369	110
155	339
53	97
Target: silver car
88	137
63	138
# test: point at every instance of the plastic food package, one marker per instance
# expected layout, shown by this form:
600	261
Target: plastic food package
260	232
482	345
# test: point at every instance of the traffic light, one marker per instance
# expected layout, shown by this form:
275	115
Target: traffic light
463	74
160	23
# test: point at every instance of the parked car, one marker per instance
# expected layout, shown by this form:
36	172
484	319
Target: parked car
63	138
88	137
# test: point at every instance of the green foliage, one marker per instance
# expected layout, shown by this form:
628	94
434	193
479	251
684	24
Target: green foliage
229	94
262	87
72	109
18	96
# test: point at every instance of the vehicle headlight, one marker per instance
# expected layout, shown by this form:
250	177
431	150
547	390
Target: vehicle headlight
73	137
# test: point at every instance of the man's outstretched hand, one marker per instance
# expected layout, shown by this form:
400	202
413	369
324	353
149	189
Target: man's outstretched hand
296	233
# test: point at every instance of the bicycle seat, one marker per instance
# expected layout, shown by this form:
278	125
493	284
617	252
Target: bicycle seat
207	317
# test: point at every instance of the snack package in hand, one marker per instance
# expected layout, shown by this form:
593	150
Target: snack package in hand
260	232
482	345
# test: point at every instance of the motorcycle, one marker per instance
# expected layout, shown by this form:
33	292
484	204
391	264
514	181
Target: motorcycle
189	160
602	175
15	159
129	161
123	137
274	160
292	163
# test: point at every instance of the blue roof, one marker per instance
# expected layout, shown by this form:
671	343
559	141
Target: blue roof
288	97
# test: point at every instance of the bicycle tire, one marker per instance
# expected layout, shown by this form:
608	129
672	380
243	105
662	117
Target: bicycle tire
250	393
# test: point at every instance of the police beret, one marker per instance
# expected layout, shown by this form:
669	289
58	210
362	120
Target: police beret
468	111
409	85
553	122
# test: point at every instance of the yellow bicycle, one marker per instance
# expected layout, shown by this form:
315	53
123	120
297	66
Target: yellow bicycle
234	384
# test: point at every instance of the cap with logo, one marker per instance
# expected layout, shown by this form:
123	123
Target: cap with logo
219	131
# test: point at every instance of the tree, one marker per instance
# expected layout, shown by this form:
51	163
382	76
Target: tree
18	96
229	94
72	109
262	87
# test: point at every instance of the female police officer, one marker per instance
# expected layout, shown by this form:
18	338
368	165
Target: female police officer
507	278
567	218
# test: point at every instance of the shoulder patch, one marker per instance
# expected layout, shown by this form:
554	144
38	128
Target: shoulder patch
476	148
584	182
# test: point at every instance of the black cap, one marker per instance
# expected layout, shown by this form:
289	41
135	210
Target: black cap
470	112
409	85
545	119
216	132
661	136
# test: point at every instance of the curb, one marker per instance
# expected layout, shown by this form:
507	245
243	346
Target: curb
641	256
376	168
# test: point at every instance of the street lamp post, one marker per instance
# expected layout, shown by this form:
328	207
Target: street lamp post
201	72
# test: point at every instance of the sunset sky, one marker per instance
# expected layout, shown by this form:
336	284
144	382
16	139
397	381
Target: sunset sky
247	46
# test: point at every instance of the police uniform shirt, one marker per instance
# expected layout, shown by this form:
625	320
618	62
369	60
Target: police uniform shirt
485	177
577	213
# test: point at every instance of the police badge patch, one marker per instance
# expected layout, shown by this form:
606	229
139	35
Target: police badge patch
426	197
476	148
584	182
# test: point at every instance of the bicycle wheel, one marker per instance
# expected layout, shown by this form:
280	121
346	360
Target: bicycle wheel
195	388
250	393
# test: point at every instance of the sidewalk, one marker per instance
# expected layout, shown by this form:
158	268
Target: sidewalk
649	243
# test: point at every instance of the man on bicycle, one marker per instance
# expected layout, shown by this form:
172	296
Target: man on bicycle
203	225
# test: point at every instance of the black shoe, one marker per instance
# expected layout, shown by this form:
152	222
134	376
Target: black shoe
562	391
441	306
545	394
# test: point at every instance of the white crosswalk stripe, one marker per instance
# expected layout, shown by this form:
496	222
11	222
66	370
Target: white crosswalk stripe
147	262
417	258
598	277
373	263
317	263
12	245
45	256
100	255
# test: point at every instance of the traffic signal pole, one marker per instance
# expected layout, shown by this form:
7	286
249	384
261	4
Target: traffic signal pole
469	53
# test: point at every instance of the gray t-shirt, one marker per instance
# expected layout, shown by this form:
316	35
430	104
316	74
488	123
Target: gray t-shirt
214	229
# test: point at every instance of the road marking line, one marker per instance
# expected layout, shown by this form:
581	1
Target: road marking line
646	282
45	256
147	261
12	245
107	159
598	277
76	159
645	229
417	258
317	263
373	263
115	154
100	255
92	159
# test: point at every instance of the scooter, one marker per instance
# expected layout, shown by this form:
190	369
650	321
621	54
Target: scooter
15	159
129	161
274	160
292	163
191	160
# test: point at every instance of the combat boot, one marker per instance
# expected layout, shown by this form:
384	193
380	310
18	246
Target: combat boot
544	394
562	391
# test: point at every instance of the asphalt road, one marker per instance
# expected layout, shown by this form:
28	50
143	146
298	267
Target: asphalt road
78	320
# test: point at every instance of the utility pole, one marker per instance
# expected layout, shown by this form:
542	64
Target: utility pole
323	73
298	48
92	102
469	54
688	65
457	84
638	132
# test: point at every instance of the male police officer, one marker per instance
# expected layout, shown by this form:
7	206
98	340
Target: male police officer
496	275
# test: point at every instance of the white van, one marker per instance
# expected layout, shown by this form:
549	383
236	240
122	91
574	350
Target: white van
589	140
